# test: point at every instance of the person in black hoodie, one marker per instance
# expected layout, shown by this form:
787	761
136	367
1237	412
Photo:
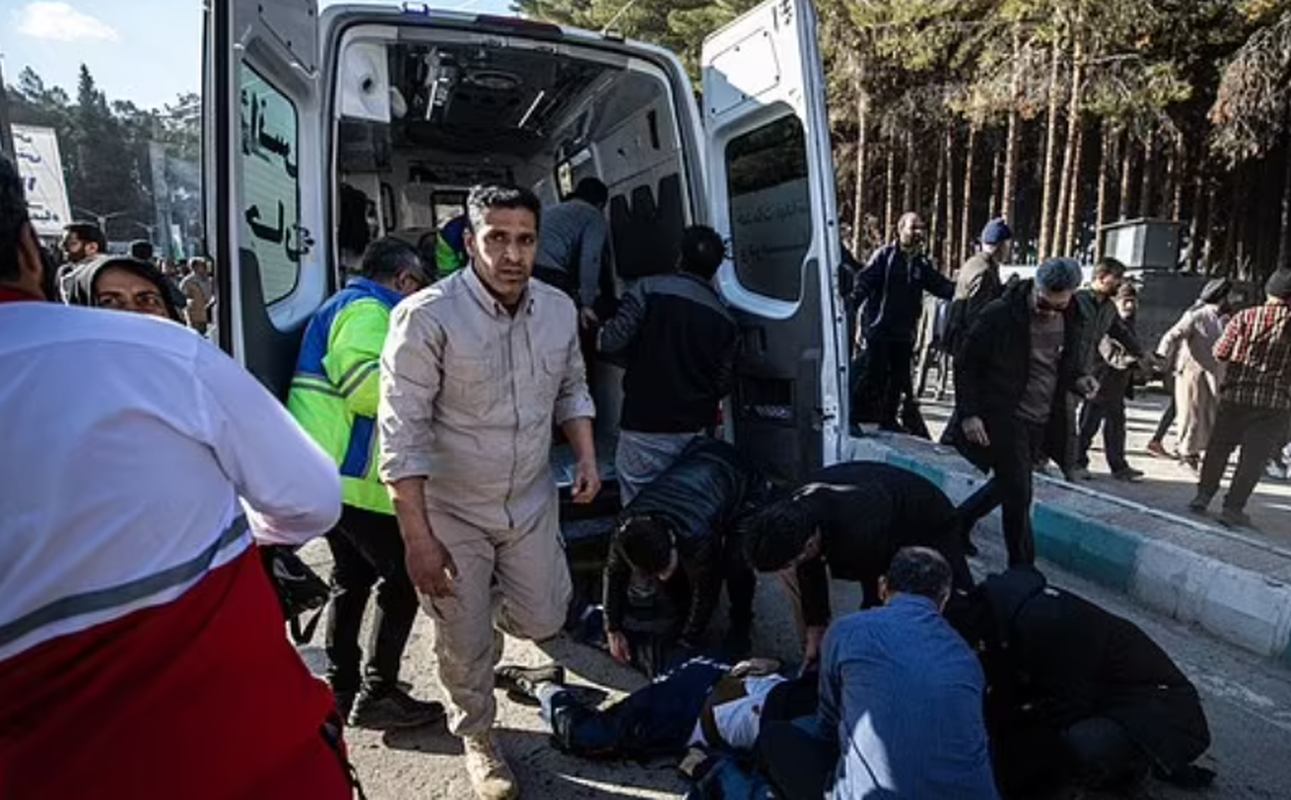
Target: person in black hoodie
1078	693
677	537
848	521
1013	372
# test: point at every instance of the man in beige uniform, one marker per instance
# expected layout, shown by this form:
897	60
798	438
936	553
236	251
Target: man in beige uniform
474	372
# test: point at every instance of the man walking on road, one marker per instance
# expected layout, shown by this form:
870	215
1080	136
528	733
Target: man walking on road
1254	400
334	397
142	651
978	282
678	342
1012	375
197	288
1106	410
474	373
1189	348
892	286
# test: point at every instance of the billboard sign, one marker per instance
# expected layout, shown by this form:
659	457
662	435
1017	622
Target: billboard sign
41	167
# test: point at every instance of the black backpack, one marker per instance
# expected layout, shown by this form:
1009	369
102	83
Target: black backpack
299	590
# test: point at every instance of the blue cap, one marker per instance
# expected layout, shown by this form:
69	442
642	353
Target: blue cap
996	231
1059	275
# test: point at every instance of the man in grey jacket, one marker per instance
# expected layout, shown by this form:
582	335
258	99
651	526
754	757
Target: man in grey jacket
978	281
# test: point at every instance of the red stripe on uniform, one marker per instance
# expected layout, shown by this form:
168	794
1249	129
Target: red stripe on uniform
202	698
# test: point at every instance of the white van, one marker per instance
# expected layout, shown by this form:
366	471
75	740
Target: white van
414	106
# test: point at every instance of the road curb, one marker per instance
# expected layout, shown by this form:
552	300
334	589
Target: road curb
1110	542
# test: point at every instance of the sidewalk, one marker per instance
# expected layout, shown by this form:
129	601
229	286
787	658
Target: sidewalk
1139	538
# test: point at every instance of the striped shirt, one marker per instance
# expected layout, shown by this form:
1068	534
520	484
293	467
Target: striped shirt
1256	346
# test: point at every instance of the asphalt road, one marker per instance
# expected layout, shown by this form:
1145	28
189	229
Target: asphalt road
1248	701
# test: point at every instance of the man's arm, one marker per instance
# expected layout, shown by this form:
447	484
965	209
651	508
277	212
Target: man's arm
704	572
574	413
353	360
935	283
870	279
614	586
829	709
1171	340
970	365
1234	333
590	251
288	485
1121	333
813	588
617	336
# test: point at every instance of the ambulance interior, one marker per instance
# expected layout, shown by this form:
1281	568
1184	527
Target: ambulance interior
422	119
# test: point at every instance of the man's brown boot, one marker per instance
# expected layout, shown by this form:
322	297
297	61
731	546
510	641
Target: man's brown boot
490	775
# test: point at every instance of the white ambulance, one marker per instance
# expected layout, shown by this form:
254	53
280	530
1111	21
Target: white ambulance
413	106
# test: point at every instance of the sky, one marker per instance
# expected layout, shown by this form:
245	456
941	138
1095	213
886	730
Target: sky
145	51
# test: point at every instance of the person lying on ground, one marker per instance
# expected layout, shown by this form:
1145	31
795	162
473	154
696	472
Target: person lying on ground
847	521
1078	693
901	703
677	536
700	704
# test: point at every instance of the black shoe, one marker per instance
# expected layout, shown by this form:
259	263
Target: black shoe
344	701
1128	475
1199	504
525	680
392	707
738	643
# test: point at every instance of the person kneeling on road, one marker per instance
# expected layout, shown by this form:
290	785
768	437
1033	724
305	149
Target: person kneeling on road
678	535
851	519
1078	693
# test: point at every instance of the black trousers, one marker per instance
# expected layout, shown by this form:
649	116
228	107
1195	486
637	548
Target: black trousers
1015	445
367	551
887	378
1102	756
1110	416
797	762
1259	432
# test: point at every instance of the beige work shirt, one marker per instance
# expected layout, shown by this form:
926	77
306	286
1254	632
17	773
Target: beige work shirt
469	393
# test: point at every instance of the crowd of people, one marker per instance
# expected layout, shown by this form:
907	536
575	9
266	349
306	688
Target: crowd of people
1043	365
141	640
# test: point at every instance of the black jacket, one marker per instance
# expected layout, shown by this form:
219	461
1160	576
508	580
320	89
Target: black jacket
1066	659
678	343
992	366
867	510
702	494
1098	319
891	286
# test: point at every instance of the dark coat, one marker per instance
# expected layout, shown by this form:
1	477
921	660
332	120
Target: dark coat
702	494
1069	660
977	285
992	366
891	286
1098	319
867	511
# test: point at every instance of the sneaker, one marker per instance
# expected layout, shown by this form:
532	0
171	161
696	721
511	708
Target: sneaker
1157	449
1129	474
388	708
1275	470
490	775
525	680
1234	518
1199	504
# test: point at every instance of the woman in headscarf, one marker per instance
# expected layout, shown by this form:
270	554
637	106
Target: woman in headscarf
1190	345
125	284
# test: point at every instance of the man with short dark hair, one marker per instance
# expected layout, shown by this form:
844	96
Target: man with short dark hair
891	287
140	637
677	341
1254	399
334	396
1115	373
901	702
82	242
476	372
572	244
679	535
1012	375
846	522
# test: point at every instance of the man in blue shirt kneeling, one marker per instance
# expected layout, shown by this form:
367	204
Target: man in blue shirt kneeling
901	697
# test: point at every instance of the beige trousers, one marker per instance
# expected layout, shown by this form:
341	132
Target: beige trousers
1196	400
516	581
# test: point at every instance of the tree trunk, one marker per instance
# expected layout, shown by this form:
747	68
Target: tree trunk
907	180
997	184
948	254
1208	232
1149	166
890	194
1178	176
1127	169
1284	230
1050	154
965	235
1008	201
1070	176
1229	260
1197	240
1109	138
862	151
1072	238
935	227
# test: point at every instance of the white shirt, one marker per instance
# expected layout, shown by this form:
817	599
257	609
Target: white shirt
128	442
739	720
